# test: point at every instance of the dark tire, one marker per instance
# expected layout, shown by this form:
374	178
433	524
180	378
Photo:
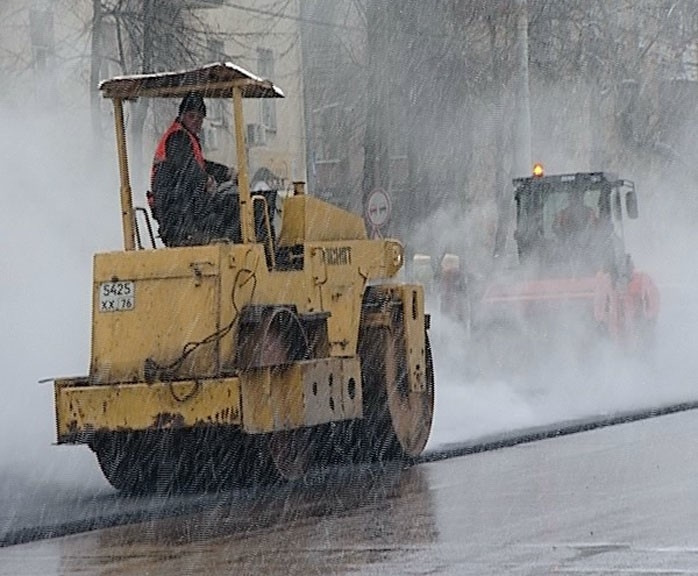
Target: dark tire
292	452
130	461
182	461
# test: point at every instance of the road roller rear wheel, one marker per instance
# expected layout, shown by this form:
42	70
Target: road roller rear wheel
215	459
128	461
182	461
292	452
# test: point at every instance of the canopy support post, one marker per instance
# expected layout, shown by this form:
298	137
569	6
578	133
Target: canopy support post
127	214
246	209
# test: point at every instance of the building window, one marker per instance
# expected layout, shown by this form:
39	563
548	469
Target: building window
217	107
265	67
216	50
689	63
41	32
326	132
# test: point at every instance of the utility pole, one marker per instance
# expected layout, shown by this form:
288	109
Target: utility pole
376	155
95	68
150	15
522	141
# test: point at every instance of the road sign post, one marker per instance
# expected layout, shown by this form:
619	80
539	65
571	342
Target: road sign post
378	211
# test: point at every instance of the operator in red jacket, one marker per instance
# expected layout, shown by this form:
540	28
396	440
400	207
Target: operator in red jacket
576	218
183	196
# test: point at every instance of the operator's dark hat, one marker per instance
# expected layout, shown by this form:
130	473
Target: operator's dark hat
192	101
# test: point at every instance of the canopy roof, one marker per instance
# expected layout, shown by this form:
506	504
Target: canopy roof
213	81
568	180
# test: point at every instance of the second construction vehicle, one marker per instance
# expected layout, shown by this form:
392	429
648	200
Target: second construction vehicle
573	284
231	362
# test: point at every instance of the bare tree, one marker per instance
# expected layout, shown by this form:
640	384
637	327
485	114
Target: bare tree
95	72
143	36
376	172
438	80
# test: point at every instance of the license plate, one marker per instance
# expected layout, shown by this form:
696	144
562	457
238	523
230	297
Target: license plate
116	296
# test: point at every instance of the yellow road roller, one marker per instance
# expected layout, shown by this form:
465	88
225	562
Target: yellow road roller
242	360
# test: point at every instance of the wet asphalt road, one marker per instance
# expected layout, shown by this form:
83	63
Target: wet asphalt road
616	500
465	515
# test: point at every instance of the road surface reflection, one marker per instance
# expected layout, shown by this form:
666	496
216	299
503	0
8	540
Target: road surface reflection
333	525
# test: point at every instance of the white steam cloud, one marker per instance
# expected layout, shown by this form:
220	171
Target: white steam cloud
60	206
